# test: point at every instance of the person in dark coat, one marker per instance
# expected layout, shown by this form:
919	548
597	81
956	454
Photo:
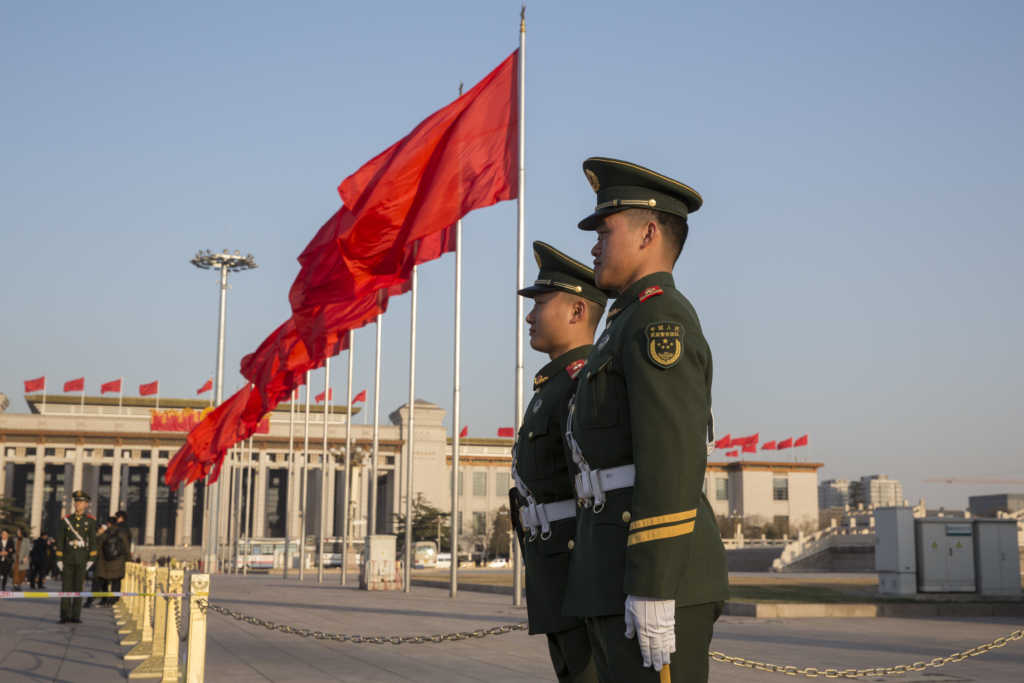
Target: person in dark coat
111	565
7	552
98	584
38	561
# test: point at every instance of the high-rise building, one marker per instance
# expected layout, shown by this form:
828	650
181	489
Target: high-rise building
876	490
833	493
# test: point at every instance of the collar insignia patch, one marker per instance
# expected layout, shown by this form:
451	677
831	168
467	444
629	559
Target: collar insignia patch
649	292
538	381
664	343
574	367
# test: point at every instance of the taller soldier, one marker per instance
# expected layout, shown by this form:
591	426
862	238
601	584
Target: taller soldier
76	552
566	310
649	562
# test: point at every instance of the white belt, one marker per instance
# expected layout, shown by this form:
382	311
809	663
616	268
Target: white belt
591	485
536	516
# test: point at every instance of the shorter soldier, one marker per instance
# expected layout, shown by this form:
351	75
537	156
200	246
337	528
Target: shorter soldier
76	552
567	307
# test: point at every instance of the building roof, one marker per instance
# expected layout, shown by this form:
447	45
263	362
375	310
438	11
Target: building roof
764	465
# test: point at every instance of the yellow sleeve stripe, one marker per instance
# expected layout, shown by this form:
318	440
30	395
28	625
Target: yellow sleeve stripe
663	519
660	533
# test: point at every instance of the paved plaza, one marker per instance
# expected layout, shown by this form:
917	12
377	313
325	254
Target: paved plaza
34	648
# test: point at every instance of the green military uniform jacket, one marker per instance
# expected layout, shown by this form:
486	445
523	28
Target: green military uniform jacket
644	398
541	464
69	549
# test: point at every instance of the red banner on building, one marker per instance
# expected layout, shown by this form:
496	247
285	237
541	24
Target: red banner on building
185	420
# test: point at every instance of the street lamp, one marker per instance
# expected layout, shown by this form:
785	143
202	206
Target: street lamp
225	262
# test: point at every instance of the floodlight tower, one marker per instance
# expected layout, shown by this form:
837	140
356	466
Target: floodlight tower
225	262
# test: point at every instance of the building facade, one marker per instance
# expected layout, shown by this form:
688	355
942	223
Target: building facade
876	490
784	494
834	493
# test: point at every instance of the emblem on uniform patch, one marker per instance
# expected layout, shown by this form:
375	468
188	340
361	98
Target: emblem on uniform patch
574	367
664	343
649	292
592	178
538	381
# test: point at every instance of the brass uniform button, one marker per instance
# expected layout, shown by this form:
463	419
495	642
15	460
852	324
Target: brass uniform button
572	544
626	516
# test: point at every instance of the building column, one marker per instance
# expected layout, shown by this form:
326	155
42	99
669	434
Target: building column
3	469
76	477
37	492
154	474
188	496
331	504
259	497
115	482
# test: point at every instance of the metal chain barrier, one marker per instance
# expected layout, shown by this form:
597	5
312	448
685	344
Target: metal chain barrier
900	669
361	639
176	603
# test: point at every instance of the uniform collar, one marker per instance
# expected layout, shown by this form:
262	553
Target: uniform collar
559	364
661	279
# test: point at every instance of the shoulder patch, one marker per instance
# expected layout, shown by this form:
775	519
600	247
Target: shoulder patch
649	292
574	367
664	343
538	381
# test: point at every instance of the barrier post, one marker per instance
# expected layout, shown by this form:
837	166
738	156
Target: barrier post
132	629
195	659
171	671
153	666
145	646
121	605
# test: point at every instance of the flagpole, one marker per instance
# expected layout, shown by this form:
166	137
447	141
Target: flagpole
411	435
372	522
81	405
291	484
517	563
348	463
302	485
43	409
453	571
120	396
250	509
323	471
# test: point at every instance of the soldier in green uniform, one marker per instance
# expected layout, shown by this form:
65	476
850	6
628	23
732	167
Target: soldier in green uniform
566	309
648	572
76	552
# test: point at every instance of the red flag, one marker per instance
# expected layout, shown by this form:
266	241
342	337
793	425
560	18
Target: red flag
768	446
149	389
732	454
206	387
724	442
330	395
465	431
788	443
37	384
746	440
74	385
113	385
506	431
802	441
750	448
361	396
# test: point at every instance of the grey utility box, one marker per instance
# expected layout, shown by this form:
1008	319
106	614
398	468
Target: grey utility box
945	555
895	551
379	571
997	557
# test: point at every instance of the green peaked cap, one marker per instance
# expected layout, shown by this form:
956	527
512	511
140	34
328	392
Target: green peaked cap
561	273
81	495
622	185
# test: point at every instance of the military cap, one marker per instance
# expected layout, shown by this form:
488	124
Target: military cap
621	185
80	495
561	273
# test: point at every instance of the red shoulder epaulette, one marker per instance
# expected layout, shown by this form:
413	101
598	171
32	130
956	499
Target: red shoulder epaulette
91	517
67	516
649	292
574	367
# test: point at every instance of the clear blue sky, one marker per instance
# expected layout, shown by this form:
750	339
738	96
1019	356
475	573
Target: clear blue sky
856	263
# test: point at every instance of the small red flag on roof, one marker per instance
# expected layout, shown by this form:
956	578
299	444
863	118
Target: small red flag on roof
787	443
506	431
37	384
750	448
465	431
75	384
206	387
113	385
361	396
149	389
330	395
802	441
732	454
768	446
724	442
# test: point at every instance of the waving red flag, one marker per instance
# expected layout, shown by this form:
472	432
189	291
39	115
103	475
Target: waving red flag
802	441
37	384
149	389
465	431
746	440
361	396
750	448
207	386
330	397
732	454
74	385
724	442
506	431
768	446
788	443
113	385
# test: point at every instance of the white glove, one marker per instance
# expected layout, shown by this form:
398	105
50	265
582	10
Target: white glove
88	565
60	565
654	624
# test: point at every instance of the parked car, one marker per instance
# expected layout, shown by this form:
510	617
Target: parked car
444	561
498	562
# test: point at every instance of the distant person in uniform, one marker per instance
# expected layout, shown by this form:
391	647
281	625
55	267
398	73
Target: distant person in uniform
76	553
648	573
566	309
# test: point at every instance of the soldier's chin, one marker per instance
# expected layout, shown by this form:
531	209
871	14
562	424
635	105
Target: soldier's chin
537	344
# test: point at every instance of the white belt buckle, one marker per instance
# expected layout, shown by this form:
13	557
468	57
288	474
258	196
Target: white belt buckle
595	486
